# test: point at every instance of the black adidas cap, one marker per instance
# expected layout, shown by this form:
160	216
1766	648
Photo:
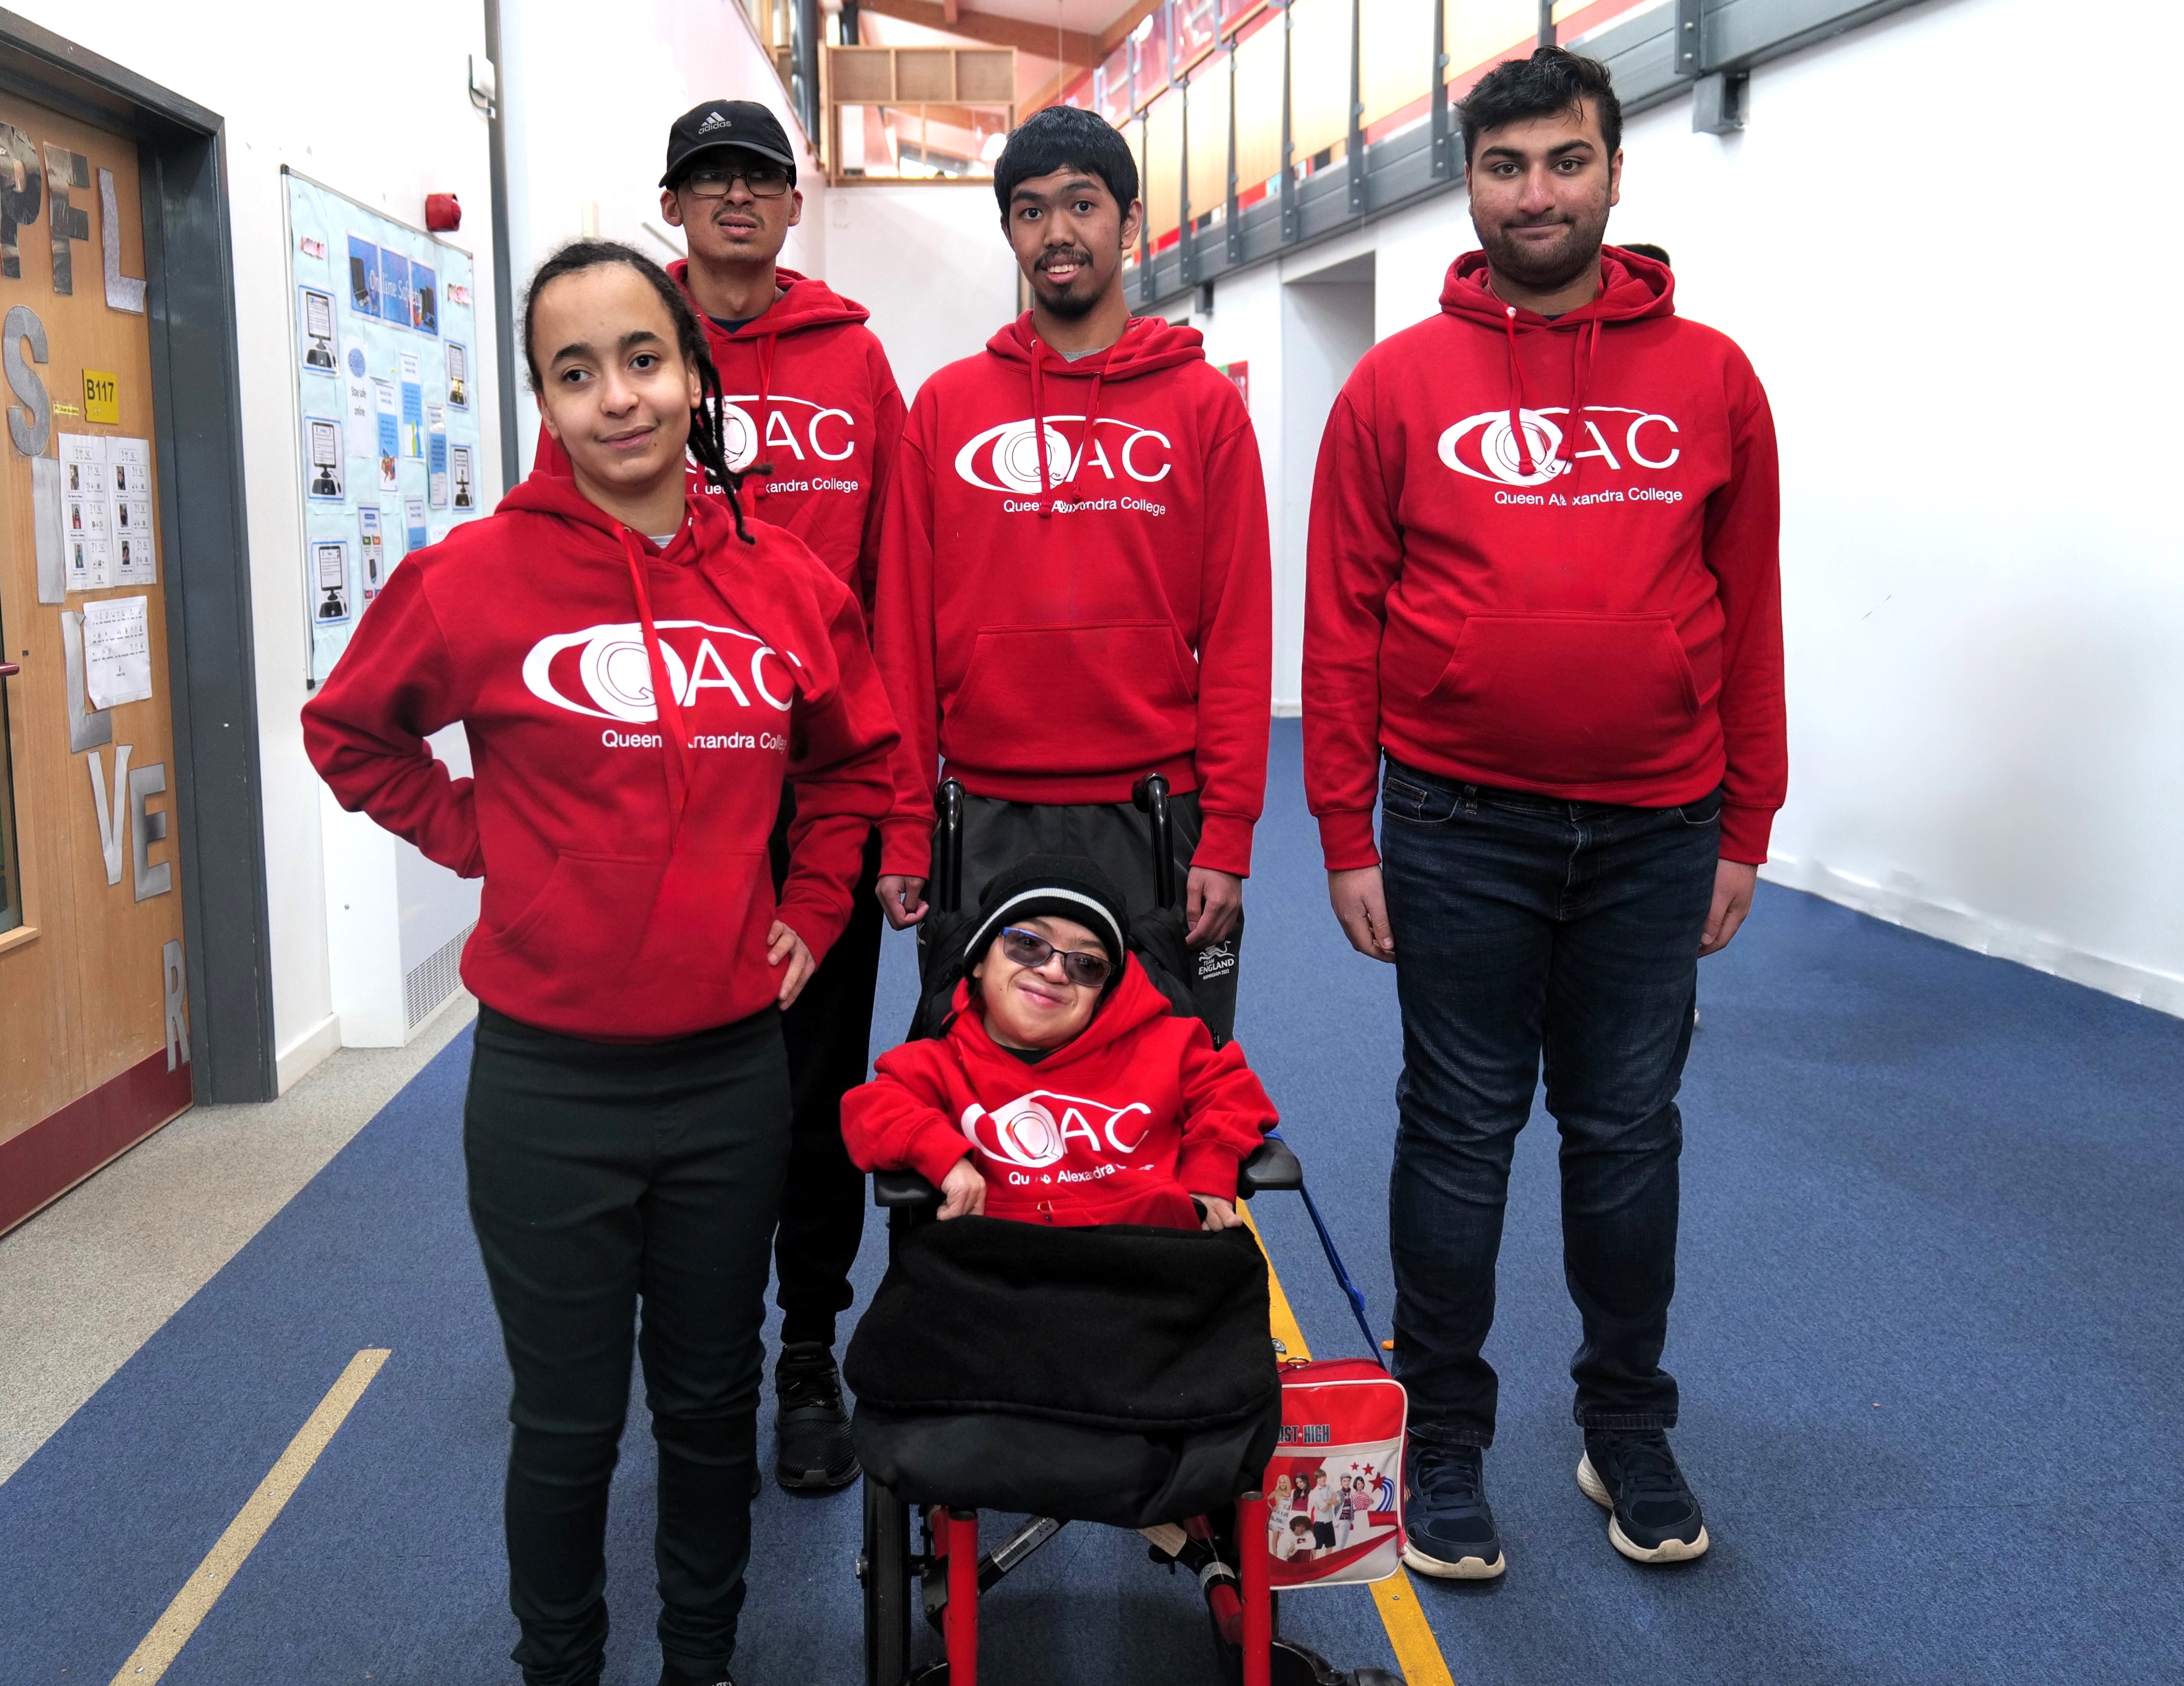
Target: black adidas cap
720	124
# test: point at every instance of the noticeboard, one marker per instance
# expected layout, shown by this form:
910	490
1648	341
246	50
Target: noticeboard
388	453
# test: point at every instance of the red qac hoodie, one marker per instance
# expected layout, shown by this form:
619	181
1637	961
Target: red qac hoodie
813	419
1057	620
1542	556
1121	1126
627	894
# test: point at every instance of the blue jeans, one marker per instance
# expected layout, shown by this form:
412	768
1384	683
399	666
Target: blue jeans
1528	926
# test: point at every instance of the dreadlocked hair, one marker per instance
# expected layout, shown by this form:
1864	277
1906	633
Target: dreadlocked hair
708	443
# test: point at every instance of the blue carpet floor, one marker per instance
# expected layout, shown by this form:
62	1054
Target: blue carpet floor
1928	1329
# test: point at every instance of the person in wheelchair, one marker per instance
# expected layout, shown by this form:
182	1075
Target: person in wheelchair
1083	1335
1063	1090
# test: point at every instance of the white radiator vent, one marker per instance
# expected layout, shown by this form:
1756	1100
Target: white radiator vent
434	979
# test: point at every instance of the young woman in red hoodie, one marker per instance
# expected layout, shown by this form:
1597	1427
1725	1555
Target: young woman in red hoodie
1064	1090
638	674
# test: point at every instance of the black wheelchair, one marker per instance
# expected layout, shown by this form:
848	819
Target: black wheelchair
944	1577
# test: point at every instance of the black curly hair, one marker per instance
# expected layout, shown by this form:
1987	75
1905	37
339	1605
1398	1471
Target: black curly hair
1552	81
1064	137
707	443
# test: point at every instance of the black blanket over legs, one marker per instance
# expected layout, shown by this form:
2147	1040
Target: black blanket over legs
1112	1374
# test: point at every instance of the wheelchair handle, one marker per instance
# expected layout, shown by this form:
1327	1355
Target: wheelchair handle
1151	795
948	854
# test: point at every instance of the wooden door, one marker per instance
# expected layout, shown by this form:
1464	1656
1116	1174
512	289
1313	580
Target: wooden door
93	1040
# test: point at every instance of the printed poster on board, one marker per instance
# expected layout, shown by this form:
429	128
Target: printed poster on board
315	316
363	277
423	299
394	287
372	549
329	573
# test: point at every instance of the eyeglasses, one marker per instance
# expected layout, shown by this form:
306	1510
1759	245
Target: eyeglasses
765	180
1029	949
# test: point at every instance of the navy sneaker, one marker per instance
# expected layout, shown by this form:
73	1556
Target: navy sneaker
1652	1516
1448	1525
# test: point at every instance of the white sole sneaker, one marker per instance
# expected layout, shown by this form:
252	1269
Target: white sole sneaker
1463	1569
1668	1552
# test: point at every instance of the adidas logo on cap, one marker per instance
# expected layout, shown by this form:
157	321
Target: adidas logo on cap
715	120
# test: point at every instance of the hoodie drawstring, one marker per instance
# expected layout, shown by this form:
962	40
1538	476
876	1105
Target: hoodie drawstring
1516	397
766	347
1091	422
1047	500
1584	351
1038	429
667	705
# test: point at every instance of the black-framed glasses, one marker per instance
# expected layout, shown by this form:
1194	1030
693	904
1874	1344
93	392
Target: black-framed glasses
713	180
1032	951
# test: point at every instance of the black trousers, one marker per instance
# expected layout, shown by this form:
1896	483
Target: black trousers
602	1176
1117	840
829	1034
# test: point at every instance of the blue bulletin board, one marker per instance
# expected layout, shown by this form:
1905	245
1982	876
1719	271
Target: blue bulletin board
389	455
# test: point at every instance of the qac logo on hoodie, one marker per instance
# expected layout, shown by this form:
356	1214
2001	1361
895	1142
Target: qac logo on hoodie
1039	1130
807	431
1005	459
604	672
1485	445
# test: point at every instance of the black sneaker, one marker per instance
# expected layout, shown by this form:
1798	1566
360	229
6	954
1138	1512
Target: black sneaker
671	1676
812	1449
1448	1525
1652	1516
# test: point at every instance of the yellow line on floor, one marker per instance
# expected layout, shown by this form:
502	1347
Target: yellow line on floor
1417	1653
1280	1318
172	1631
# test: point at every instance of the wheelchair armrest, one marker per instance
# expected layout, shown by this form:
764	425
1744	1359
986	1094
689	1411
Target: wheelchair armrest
893	1189
1272	1167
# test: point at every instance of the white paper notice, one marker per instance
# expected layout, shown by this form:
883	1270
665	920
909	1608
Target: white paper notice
83	465
359	417
86	512
134	546
89	567
388	446
117	652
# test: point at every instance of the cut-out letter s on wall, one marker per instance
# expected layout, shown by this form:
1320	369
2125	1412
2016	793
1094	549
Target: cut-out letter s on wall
32	426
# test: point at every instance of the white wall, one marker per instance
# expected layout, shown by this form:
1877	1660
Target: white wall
1327	325
1301	326
1984	603
586	146
928	259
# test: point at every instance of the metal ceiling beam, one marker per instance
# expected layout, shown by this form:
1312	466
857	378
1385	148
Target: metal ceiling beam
1077	48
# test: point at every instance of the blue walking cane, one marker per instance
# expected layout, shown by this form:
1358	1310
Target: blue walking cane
1351	1291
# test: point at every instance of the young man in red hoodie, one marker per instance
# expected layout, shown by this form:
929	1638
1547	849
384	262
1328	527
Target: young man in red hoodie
1074	583
811	418
1543	584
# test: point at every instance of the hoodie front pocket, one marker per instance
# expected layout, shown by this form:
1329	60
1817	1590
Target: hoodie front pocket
1570	698
577	935
1072	700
